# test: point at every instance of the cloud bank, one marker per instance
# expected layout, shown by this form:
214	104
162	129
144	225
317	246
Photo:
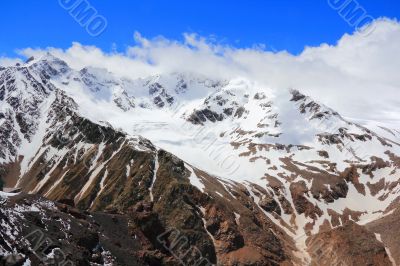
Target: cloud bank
6	62
358	76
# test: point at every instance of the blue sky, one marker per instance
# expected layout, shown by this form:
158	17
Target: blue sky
279	24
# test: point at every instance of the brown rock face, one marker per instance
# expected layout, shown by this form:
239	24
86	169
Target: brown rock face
350	244
270	205
208	222
301	203
387	227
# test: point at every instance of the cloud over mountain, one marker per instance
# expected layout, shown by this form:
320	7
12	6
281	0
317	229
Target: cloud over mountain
357	76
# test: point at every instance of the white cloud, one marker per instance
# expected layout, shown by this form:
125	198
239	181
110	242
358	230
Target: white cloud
358	76
6	62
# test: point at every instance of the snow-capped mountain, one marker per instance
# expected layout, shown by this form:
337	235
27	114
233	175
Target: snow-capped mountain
251	175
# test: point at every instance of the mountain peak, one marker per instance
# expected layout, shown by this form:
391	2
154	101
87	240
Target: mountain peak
49	66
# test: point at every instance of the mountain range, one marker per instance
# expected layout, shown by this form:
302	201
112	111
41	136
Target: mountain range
179	168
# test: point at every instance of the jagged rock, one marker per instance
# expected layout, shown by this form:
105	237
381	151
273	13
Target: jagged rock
12	260
270	205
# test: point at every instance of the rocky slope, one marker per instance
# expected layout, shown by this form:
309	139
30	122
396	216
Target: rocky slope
256	176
